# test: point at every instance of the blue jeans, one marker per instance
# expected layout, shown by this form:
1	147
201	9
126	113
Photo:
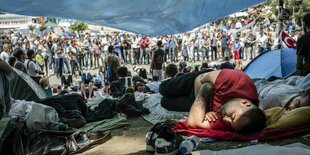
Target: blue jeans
225	52
68	67
59	66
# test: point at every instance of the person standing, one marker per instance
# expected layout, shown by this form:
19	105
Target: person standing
303	49
144	47
173	48
205	44
5	54
111	64
20	58
157	61
224	43
214	47
33	68
136	50
126	43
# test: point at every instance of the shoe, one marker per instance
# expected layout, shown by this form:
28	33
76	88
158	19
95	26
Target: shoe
164	147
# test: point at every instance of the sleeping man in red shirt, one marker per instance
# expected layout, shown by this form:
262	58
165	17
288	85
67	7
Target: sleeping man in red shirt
223	100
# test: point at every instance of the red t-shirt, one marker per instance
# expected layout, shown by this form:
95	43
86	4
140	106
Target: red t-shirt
144	42
231	84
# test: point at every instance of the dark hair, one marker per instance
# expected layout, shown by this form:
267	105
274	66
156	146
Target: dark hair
204	65
251	121
30	53
122	71
159	43
171	70
110	49
12	61
18	53
306	20
306	93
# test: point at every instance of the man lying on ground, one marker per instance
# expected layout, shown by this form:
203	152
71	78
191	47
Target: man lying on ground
223	99
275	94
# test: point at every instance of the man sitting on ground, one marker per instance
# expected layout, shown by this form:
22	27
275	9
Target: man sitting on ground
87	92
118	87
223	99
171	71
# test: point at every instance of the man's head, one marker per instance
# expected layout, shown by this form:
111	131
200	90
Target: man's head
110	49
30	54
243	116
159	43
122	71
303	99
20	55
171	70
6	47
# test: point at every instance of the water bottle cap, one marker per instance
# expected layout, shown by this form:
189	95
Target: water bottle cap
183	150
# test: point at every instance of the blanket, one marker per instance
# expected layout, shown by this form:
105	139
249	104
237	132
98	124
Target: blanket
281	123
268	134
158	113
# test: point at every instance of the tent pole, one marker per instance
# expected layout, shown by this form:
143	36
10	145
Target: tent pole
280	20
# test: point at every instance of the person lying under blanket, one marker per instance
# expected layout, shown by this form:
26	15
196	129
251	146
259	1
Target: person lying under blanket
276	94
223	100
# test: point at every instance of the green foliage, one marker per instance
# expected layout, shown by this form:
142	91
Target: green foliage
42	28
31	27
297	8
78	26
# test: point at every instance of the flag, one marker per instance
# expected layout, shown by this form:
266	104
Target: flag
287	40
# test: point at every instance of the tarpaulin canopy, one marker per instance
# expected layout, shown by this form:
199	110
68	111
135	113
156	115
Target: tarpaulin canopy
151	17
279	63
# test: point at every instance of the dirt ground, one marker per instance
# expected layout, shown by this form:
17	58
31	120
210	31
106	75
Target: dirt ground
131	140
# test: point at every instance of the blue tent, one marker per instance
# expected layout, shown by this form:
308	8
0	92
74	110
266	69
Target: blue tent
280	63
151	17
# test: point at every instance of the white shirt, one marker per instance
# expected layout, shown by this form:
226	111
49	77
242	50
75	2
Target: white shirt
154	86
31	68
5	56
238	25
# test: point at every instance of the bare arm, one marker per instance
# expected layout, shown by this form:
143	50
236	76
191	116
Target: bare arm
203	93
209	77
196	118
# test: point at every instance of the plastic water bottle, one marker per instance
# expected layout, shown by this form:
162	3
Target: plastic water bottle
188	145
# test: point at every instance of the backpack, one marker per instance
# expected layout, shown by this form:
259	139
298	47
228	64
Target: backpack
108	72
71	108
162	130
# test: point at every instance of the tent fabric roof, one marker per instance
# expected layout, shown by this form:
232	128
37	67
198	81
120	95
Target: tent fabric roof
151	17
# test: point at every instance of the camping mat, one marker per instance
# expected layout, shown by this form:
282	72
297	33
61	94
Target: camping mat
158	113
260	149
107	124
